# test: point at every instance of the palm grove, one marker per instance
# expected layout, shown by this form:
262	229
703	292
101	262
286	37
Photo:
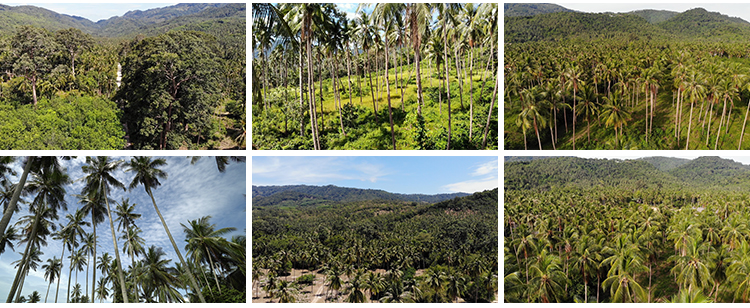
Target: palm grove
586	230
212	271
376	251
382	77
618	81
67	89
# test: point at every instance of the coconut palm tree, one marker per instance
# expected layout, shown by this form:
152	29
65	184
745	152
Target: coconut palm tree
101	291
147	173
51	272
71	234
159	280
98	180
77	261
204	243
48	184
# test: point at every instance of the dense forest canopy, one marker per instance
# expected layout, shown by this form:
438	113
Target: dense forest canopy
139	81
376	250
639	80
388	76
606	230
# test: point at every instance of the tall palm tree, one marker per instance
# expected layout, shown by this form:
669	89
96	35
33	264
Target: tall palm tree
98	180
7	239
147	173
48	183
88	248
11	208
71	234
51	272
387	14
204	243
77	261
447	12
419	15
355	289
101	291
34	297
159	280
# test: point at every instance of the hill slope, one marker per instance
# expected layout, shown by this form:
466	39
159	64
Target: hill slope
149	22
654	171
694	24
531	9
304	194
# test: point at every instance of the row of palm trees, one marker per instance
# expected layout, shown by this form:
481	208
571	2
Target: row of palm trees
686	87
379	40
45	181
436	284
591	246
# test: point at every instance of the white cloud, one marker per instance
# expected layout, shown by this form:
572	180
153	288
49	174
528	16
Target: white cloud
472	186
314	170
486	168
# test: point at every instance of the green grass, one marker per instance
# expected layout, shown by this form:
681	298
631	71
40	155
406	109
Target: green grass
368	130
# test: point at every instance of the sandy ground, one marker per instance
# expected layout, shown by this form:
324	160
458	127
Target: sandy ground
318	286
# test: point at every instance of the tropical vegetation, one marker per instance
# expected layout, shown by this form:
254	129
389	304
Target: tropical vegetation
637	231
376	250
212	270
377	79
639	80
168	78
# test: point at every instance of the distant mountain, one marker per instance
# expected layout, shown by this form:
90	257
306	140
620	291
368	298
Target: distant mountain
655	16
531	9
694	24
665	163
192	16
638	173
714	170
701	23
305	194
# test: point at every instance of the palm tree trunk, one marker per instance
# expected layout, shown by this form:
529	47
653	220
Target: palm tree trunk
213	269
349	74
62	257
447	80
16	195
45	297
743	126
117	253
320	79
401	81
690	124
311	95
301	103
372	92
489	112
177	251
70	275
458	77
335	95
17	285
471	92
388	88
718	131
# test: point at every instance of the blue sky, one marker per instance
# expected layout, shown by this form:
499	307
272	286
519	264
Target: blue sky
189	193
741	10
95	11
397	174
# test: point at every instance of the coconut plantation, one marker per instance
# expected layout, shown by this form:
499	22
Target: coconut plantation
626	230
385	76
374	230
122	229
643	79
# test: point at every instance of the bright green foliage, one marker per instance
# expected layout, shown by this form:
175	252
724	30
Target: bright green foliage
65	122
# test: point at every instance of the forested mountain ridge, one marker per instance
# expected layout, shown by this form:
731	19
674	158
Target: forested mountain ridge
692	24
131	23
530	9
655	171
305	194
